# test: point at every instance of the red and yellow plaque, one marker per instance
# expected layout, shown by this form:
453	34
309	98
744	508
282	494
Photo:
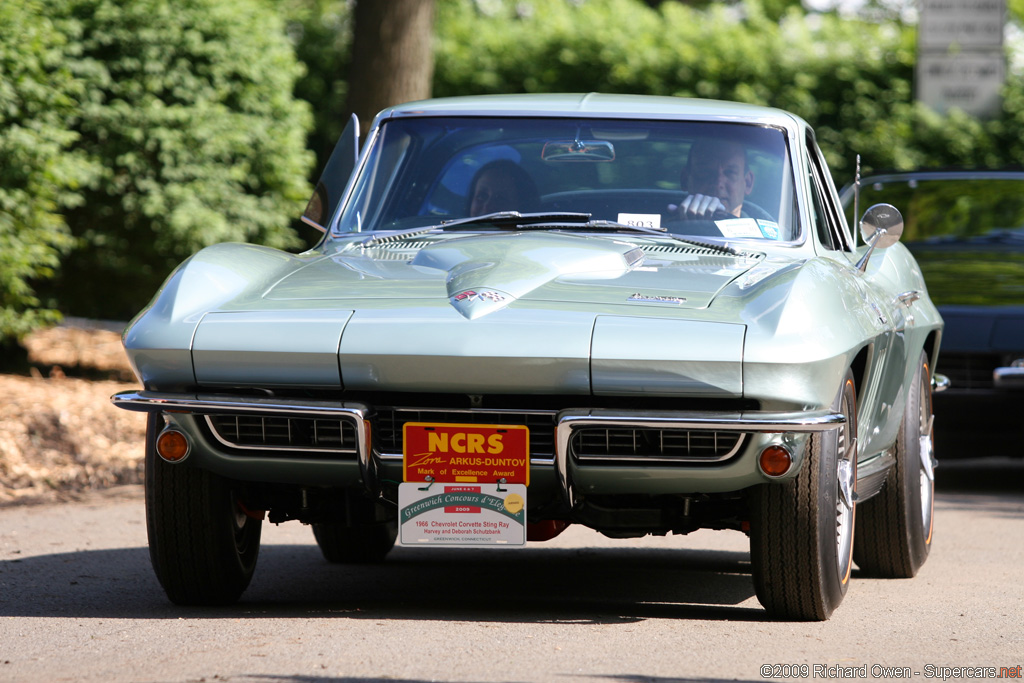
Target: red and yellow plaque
466	453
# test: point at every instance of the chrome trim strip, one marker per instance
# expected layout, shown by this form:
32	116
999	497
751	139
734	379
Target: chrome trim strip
153	401
939	383
313	224
752	421
907	298
475	411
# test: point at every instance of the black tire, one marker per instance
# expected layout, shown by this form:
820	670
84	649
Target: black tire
801	530
359	536
202	545
895	528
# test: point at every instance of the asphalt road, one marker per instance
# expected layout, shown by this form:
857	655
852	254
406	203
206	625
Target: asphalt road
78	602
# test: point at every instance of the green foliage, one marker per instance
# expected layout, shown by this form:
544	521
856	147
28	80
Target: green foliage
38	174
189	116
321	32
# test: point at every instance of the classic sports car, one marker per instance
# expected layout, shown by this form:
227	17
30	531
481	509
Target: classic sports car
643	315
966	230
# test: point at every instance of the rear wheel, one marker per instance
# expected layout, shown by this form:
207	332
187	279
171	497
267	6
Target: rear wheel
894	528
801	530
202	544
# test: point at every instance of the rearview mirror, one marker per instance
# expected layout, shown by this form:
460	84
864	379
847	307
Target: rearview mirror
578	150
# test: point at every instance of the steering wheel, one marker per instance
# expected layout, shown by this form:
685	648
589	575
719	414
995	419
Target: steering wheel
750	210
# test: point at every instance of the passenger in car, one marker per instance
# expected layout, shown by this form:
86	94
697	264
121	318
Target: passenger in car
502	185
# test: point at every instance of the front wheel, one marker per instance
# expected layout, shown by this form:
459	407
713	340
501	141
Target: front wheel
894	529
801	530
202	544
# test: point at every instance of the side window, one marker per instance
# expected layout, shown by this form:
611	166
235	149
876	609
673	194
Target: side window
818	220
826	220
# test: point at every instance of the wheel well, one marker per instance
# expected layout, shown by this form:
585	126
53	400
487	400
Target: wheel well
931	348
859	367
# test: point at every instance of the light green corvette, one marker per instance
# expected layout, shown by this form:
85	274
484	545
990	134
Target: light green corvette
644	315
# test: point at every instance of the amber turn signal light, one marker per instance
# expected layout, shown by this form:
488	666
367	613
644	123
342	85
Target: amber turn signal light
172	446
775	460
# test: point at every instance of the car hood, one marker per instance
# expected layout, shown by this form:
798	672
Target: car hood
499	313
480	274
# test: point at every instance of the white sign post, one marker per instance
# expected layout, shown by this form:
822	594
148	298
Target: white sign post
960	60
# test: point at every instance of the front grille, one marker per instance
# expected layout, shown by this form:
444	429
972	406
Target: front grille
387	426
596	445
275	433
969	370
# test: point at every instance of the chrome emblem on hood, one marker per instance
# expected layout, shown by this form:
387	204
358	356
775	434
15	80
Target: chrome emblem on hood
473	303
483	295
654	299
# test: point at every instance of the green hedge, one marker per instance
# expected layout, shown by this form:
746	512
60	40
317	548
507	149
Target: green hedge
133	134
190	116
38	174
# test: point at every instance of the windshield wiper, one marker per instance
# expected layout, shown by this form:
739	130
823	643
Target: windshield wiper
625	227
515	219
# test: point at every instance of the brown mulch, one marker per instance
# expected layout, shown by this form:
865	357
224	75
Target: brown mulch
60	437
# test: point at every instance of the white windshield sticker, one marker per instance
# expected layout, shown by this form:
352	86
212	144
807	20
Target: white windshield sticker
739	227
641	220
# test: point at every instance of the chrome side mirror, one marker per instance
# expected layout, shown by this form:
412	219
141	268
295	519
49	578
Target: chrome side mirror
881	227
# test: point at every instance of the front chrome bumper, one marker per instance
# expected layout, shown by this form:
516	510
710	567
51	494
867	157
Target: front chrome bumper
567	421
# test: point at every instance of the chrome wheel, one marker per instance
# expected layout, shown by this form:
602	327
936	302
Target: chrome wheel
845	516
926	448
846	479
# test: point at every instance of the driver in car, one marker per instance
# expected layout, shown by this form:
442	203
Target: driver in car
717	179
501	186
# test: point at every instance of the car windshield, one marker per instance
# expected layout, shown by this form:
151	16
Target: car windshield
735	179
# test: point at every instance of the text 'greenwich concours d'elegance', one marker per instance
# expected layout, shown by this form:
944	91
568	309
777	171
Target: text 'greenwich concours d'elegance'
643	315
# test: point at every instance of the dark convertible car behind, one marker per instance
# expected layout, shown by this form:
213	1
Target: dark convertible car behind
966	229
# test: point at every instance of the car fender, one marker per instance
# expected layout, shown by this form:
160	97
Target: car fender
158	340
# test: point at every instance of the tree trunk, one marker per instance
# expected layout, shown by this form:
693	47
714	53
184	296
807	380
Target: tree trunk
392	55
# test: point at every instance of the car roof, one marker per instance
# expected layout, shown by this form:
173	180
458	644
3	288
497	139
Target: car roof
597	105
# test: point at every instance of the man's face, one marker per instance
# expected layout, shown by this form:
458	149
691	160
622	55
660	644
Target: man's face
720	170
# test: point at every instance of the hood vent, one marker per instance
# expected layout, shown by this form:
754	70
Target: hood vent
403	250
682	250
